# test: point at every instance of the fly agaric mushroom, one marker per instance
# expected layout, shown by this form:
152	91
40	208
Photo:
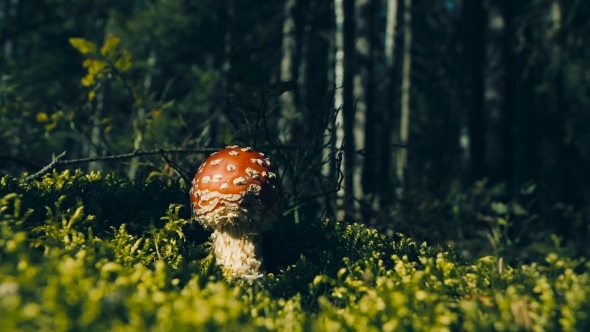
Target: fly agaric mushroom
237	194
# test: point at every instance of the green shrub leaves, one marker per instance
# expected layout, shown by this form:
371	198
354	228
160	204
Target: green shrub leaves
90	252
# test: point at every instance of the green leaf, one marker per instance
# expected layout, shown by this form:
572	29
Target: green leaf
94	66
519	210
528	189
109	49
499	207
82	45
88	80
124	62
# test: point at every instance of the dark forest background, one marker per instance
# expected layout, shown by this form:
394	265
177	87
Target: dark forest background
461	122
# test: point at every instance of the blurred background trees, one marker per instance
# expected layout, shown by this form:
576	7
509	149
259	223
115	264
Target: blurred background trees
462	122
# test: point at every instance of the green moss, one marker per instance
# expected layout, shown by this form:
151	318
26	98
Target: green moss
90	252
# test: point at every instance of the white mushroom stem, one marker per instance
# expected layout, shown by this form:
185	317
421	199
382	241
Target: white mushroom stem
238	249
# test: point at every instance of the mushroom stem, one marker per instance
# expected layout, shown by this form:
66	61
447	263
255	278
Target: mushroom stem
238	249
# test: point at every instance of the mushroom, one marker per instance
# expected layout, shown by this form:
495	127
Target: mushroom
237	194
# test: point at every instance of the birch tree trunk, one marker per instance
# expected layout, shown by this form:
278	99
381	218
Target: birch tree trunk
404	129
339	90
363	127
304	55
329	152
289	66
387	116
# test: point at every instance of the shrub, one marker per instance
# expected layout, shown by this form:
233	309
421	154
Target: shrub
90	252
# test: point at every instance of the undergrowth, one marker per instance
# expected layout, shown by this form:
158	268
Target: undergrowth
91	252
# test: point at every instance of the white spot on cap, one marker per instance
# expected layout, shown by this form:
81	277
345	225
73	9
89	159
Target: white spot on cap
267	161
254	189
224	186
247	149
214	153
271	175
215	162
234	153
205	179
264	174
200	168
239	181
260	153
257	161
231	146
231	167
252	173
216	178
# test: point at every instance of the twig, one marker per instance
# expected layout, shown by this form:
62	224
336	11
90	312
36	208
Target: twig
58	162
176	167
325	193
50	166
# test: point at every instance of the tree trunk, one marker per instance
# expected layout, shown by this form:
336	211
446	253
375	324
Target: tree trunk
497	117
524	112
404	129
329	152
302	76
339	90
348	108
388	114
11	12
520	98
228	14
363	81
289	66
472	136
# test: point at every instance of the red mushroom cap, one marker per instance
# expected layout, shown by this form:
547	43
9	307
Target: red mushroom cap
235	185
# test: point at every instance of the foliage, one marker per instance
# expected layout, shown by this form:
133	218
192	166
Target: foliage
93	252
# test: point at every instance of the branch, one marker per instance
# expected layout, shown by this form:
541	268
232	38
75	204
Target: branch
58	162
325	193
49	167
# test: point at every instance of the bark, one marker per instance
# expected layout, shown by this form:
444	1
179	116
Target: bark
405	96
552	147
289	66
497	119
472	133
390	27
387	116
302	73
363	100
348	108
328	153
339	90
218	114
524	113
11	10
